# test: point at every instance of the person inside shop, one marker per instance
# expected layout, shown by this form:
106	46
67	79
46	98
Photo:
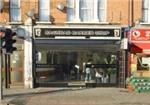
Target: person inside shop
99	76
88	75
77	69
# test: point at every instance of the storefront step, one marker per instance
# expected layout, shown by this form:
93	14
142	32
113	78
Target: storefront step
76	84
52	84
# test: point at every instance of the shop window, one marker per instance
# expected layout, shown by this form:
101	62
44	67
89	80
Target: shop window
41	57
17	67
143	63
15	14
38	56
86	10
44	10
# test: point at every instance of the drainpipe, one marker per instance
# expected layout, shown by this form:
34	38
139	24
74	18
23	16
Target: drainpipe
131	13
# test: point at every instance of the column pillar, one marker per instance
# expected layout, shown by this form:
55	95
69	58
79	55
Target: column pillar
77	10
28	73
95	7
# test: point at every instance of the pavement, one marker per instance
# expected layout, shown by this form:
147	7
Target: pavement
74	96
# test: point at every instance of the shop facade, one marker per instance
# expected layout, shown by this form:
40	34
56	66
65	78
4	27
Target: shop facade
60	54
139	52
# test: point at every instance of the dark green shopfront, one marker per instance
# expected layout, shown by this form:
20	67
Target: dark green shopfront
61	55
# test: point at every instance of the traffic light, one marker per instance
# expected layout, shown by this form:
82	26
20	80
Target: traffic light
3	39
8	41
2	35
12	42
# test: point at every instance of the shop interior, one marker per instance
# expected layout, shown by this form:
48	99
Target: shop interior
140	64
67	63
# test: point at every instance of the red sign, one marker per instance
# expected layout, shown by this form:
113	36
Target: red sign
140	35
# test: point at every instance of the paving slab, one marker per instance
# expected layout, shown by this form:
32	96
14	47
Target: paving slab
75	96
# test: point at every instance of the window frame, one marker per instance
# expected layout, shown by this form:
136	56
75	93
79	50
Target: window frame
93	11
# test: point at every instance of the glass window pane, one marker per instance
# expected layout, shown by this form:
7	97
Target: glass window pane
69	65
86	10
15	15
102	10
145	3
43	15
70	10
102	3
15	3
44	6
145	15
15	10
102	16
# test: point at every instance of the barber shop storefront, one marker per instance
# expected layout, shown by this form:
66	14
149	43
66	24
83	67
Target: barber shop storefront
61	55
139	53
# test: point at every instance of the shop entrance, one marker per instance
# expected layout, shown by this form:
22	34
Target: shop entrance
65	65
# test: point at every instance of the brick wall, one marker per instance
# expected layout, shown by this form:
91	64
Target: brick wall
117	11
27	5
59	16
4	15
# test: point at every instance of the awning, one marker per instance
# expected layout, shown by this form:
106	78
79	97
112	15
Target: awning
140	48
76	44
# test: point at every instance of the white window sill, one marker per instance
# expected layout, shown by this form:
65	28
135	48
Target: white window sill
144	23
15	23
42	22
105	23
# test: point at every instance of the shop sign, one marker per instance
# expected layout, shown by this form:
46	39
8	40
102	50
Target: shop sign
74	32
140	35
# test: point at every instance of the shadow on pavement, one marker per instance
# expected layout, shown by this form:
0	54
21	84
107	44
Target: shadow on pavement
22	98
43	91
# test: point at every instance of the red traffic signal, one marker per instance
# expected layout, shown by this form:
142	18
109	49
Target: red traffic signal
2	33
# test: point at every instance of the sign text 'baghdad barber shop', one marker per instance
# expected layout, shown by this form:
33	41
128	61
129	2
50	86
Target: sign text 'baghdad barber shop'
46	32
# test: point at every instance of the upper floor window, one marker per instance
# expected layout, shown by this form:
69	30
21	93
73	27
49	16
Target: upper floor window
15	15
44	10
86	10
146	11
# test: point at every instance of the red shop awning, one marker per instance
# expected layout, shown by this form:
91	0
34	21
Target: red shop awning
140	48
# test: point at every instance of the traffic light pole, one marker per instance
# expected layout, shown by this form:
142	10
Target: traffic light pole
1	81
7	71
